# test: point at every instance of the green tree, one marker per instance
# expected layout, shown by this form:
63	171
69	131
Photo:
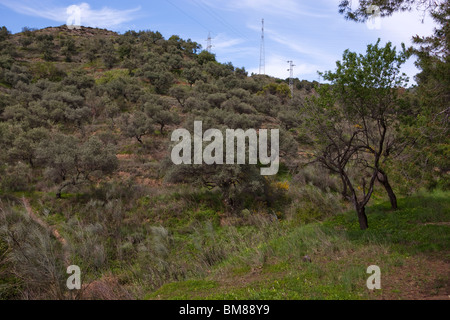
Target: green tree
280	90
431	152
190	47
70	163
235	182
192	74
68	48
8	132
204	57
46	46
91	49
136	125
161	115
353	121
428	158
112	110
180	93
162	81
25	145
159	76
289	118
108	53
363	11
4	34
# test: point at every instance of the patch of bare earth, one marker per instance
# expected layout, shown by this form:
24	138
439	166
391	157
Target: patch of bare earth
419	278
107	288
233	282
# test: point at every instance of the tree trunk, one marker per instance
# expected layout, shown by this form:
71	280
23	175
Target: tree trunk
383	179
362	217
345	195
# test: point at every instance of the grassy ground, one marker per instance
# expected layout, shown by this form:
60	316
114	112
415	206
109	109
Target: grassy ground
411	246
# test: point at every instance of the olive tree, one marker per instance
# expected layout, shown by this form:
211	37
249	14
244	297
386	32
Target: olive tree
69	162
353	121
161	115
136	125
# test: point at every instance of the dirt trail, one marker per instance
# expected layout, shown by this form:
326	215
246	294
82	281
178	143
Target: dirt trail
52	230
104	289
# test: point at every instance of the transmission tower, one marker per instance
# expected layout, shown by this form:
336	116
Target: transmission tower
291	76
209	43
262	55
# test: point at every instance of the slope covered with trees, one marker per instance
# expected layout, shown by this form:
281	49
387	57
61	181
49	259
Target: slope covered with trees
85	122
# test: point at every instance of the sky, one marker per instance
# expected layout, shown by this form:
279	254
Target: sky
310	33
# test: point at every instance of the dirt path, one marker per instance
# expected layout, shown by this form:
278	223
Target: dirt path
419	278
106	288
51	229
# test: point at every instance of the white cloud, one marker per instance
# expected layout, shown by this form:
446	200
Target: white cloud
228	49
400	28
300	46
286	8
403	25
104	17
222	42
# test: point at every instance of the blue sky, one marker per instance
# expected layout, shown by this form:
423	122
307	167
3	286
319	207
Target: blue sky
311	33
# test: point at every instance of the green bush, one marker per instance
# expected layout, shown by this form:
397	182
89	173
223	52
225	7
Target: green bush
15	178
310	204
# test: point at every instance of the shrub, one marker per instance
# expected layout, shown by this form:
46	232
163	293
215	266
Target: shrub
319	177
310	204
17	177
36	258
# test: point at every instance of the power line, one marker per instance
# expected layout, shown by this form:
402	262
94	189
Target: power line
189	16
217	17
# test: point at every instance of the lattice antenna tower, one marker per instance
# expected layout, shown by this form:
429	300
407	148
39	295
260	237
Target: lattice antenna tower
262	55
209	43
291	76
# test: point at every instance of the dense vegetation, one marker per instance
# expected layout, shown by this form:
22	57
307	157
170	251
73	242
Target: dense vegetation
86	177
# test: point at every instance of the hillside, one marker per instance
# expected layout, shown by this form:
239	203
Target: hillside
410	247
86	179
